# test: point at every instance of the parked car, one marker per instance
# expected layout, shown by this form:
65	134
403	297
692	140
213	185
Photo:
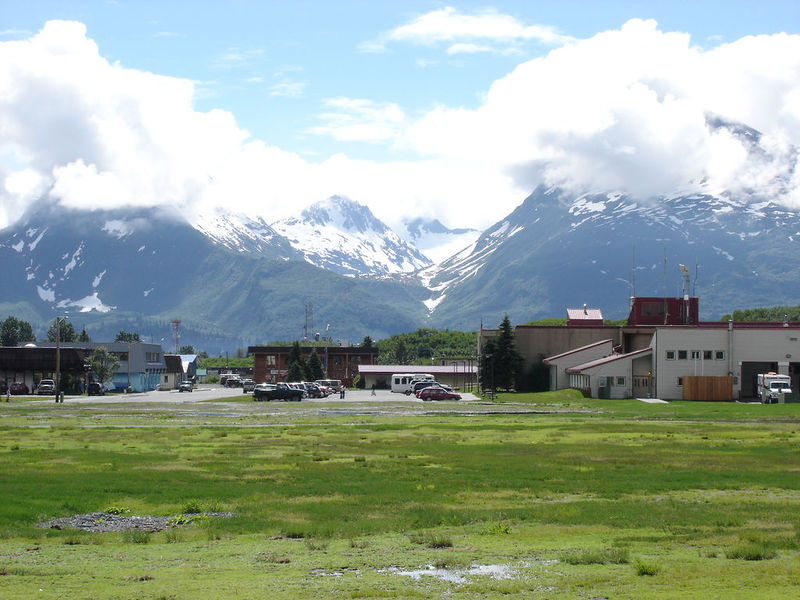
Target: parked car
233	381
185	386
333	385
418	385
46	387
435	392
299	386
248	385
276	391
18	388
95	388
434	384
312	390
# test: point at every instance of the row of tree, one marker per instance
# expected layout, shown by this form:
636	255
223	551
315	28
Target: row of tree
422	346
301	368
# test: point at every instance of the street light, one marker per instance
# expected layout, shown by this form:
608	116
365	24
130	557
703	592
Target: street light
58	358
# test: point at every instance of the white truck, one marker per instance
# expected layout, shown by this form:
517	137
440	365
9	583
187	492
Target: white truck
772	386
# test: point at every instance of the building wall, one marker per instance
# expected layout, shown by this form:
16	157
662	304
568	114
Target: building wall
270	363
559	378
744	350
541	341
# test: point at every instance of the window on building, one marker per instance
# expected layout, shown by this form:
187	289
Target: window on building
680	381
166	378
652	309
683	354
695	354
271	360
620	381
707	355
670	354
719	355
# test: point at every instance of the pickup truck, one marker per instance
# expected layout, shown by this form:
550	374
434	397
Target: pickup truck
276	391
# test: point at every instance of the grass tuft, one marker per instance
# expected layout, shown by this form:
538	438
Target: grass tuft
751	552
646	568
597	556
431	540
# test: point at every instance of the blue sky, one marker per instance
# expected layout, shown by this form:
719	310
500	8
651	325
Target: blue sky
345	89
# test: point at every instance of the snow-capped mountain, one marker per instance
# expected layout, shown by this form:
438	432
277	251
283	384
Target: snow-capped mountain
560	249
242	234
344	236
436	241
231	281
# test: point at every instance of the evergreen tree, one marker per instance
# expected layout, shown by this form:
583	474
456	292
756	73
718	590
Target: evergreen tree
186	349
66	332
295	372
298	368
487	363
508	362
315	367
84	337
367	343
14	331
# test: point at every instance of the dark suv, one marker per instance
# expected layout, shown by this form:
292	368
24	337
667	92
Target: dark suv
95	389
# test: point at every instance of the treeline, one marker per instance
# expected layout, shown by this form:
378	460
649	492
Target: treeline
774	314
422	346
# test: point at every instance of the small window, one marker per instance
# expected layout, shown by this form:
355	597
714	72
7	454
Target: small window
695	354
708	355
620	381
719	355
680	380
683	354
271	360
670	354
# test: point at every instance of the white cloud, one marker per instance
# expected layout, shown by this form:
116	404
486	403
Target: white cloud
449	25
288	89
623	110
356	119
627	110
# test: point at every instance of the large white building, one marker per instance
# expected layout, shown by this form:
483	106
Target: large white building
663	351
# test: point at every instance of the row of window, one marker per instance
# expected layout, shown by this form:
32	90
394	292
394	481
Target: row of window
272	360
695	354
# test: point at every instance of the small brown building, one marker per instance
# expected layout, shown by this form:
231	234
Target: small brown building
270	362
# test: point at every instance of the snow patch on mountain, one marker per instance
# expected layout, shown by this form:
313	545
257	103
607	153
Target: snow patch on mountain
46	295
240	233
86	304
344	236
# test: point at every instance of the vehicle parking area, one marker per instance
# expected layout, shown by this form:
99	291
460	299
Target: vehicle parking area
210	392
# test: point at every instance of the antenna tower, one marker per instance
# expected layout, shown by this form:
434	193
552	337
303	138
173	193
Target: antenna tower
176	333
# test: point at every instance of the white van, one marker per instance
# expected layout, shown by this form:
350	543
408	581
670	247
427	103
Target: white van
401	382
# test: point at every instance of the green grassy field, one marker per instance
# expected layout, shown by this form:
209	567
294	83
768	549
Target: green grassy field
536	496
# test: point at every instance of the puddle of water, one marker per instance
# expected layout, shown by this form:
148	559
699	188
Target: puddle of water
459	575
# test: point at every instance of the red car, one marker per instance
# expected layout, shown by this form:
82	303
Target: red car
437	393
18	388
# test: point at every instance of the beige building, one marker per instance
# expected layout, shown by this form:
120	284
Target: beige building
663	351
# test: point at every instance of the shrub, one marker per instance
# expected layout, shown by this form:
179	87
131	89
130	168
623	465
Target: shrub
646	568
750	552
192	507
136	536
431	540
597	556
